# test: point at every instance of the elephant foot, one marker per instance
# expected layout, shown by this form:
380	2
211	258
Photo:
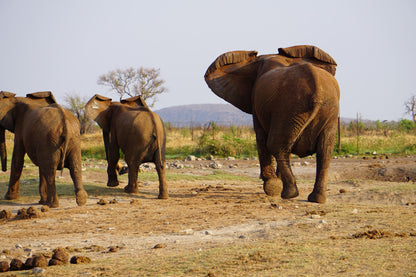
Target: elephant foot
273	186
112	184
131	189
81	197
290	192
163	196
11	196
54	204
43	202
317	197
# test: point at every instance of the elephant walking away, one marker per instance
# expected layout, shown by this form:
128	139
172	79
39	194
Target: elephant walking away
294	99
131	126
49	134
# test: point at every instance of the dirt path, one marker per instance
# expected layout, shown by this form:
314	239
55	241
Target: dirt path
364	194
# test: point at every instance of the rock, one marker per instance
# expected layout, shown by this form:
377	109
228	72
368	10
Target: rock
215	165
160	245
16	265
113	249
355	211
208	233
38	270
4	266
231	158
186	232
191	158
5	214
80	260
305	163
102	202
211	158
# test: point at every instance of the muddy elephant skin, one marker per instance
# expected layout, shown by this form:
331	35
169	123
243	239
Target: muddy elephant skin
294	99
129	125
49	134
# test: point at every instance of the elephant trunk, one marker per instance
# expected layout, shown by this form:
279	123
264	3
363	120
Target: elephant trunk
3	150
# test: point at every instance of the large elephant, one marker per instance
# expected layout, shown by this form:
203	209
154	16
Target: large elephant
294	99
131	126
49	135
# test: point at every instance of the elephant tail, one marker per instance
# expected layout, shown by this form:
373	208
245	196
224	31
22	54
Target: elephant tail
160	139
64	138
315	110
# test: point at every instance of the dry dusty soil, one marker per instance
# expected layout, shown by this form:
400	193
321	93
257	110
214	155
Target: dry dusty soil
218	222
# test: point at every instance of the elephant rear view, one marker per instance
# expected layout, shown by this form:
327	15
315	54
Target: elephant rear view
49	134
129	125
294	99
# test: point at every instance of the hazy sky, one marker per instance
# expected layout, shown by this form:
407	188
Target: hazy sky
63	46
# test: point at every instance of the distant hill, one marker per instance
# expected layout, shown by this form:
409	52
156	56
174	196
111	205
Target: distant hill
202	114
221	114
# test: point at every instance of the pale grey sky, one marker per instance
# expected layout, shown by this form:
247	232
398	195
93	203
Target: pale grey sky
63	46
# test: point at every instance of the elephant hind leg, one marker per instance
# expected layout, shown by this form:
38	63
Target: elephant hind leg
290	190
272	185
47	175
132	186
74	165
323	159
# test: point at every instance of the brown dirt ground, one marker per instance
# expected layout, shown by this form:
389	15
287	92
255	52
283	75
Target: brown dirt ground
206	214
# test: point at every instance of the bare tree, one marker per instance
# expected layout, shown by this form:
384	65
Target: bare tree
76	104
145	82
410	106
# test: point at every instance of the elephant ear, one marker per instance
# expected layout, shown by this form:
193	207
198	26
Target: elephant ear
97	110
232	75
323	59
42	97
6	94
135	102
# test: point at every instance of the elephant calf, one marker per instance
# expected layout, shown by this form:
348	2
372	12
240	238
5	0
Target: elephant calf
49	134
131	126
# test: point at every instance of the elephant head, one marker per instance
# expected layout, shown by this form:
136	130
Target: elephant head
8	102
233	74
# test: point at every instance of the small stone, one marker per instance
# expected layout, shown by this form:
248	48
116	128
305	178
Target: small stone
102	202
208	233
315	216
342	191
160	245
38	270
186	232
191	158
354	211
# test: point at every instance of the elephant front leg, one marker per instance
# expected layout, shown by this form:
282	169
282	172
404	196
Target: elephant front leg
272	185
16	171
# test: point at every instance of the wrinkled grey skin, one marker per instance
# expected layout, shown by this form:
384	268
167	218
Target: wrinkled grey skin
49	135
138	132
294	98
